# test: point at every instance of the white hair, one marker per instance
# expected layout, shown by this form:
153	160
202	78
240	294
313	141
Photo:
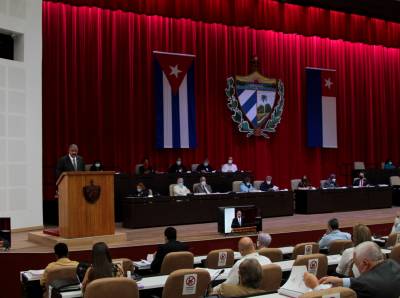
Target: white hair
264	239
368	250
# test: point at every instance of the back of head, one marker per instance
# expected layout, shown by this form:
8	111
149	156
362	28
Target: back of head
246	246
250	273
170	233
368	250
361	233
264	240
101	261
61	250
333	224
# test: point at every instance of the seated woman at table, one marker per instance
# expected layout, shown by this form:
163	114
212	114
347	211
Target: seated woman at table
102	265
205	167
246	185
146	168
304	184
142	191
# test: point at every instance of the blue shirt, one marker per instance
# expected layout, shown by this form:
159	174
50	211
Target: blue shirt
246	188
334	235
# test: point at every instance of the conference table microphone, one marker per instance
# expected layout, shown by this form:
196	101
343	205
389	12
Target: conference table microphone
210	283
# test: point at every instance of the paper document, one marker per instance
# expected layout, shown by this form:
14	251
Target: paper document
295	287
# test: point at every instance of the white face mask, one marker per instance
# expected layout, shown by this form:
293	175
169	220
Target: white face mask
268	182
356	272
230	161
203	183
97	165
206	164
138	189
180	184
333	180
178	162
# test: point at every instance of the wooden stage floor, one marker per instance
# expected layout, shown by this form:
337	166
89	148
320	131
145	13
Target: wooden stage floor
208	231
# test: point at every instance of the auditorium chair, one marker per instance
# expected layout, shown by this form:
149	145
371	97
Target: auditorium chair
359	165
111	287
393	240
271	277
395	253
88	166
395	180
177	260
125	263
274	254
338	246
294	183
343	292
257	184
194	186
171	189
217	259
307	260
194	167
301	249
236	186
63	273
321	183
137	168
174	286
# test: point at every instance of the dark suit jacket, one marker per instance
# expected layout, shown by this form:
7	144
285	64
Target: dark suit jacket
177	169
357	182
199	188
64	164
203	168
383	281
266	187
235	223
163	250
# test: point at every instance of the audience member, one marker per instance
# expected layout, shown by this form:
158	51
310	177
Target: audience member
304	183
202	187
102	265
373	275
361	233
177	167
250	276
396	224
263	240
389	165
170	245
180	189
268	185
204	167
146	168
61	252
330	182
333	233
229	167
70	162
361	181
246	185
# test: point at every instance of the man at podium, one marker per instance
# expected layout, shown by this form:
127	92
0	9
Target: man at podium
70	162
237	222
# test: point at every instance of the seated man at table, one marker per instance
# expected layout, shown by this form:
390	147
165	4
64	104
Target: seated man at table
146	168
250	276
246	185
248	251
361	181
330	182
177	167
202	187
268	185
333	233
263	240
229	167
373	275
142	191
171	245
204	167
180	189
61	252
389	165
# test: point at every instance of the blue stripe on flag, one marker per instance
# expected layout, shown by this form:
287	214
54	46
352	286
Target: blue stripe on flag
176	128
191	108
250	102
158	80
314	108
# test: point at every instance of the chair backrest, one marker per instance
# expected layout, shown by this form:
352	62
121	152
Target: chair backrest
271	277
220	258
316	264
395	253
382	165
344	293
395	180
305	248
393	240
338	246
257	184
359	165
322	182
125	263
194	167
274	254
186	283
177	260
137	168
88	166
111	287
294	183
195	185
236	186
59	273
171	189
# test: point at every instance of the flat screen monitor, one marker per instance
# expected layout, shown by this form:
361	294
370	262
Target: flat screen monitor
249	217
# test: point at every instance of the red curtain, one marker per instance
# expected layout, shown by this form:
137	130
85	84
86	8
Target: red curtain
98	93
264	14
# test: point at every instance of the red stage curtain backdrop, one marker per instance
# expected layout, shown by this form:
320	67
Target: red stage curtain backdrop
98	93
264	14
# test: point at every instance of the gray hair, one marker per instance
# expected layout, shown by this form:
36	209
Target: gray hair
264	239
368	250
250	273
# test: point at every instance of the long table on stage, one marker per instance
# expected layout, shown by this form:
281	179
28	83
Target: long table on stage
165	210
342	199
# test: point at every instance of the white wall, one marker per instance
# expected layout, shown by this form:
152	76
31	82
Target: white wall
21	116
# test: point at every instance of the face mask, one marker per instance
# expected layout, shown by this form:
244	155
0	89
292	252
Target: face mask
180	184
268	182
139	189
230	161
97	165
356	272
333	180
206	164
178	162
203	183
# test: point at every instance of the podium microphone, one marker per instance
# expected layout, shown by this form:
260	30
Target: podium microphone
211	281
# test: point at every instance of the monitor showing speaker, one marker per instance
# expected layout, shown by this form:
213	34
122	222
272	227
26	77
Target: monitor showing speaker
239	219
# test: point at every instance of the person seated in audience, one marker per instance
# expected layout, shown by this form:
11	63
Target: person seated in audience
389	165
61	252
238	221
361	181
268	185
330	182
170	245
248	251
96	166
102	265
202	187
263	240
180	189
373	275
250	276
361	233
229	167
333	233
146	168
396	224
204	167
304	183
246	185
142	191
177	167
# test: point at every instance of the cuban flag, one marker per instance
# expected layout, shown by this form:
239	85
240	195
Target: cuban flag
321	108
175	100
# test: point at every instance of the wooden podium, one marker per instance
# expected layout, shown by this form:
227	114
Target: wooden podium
86	204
